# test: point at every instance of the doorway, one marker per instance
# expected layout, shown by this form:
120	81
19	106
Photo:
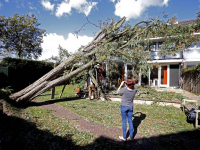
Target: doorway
164	75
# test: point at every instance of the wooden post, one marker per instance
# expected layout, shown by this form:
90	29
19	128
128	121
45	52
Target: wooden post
52	92
53	88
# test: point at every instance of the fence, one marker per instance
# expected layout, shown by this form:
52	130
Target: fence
191	82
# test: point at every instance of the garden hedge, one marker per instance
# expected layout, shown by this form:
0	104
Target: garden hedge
22	72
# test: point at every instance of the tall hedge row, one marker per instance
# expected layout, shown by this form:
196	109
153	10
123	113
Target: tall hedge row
22	72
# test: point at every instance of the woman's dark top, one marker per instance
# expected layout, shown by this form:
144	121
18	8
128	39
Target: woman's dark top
128	96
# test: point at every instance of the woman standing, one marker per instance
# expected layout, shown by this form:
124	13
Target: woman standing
128	94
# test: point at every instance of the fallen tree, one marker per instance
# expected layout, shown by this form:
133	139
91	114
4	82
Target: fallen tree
115	40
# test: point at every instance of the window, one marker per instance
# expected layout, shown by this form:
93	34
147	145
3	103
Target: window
156	46
160	45
153	47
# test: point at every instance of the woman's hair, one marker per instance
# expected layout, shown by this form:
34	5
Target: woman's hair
130	82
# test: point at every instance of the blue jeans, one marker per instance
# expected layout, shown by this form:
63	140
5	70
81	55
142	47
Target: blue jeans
127	111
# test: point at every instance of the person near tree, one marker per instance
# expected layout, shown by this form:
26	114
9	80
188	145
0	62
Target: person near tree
128	94
91	88
101	76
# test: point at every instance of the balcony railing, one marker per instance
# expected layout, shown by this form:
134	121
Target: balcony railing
156	56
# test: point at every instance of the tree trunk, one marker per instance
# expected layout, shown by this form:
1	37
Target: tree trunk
46	78
50	79
49	84
58	70
111	41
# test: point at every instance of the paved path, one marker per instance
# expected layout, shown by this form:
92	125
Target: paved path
95	128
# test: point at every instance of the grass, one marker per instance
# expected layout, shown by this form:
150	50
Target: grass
150	93
156	119
37	128
56	125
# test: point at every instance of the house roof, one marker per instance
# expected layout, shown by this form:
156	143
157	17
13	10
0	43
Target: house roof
186	22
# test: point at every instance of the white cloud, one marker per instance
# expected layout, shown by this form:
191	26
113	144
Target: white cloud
1	5
166	2
23	5
82	6
32	7
6	0
47	5
63	8
72	43
134	8
29	3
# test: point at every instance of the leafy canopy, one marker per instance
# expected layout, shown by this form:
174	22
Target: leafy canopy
63	54
21	35
132	44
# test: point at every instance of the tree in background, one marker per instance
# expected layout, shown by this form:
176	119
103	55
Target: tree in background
21	36
3	52
63	54
2	24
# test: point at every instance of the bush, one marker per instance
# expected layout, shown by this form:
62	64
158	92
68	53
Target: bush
22	72
191	69
3	80
4	92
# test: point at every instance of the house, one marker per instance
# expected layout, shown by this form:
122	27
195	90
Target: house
169	71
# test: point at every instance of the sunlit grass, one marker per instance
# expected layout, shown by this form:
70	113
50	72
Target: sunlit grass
58	126
155	119
38	128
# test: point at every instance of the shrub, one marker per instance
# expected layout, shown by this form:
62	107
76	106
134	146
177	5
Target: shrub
22	72
191	69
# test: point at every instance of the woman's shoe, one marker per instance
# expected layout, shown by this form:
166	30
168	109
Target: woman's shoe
121	138
129	139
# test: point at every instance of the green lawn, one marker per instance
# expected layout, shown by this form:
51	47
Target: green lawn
156	119
37	128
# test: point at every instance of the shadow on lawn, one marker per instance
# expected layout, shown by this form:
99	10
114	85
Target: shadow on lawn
16	133
138	117
47	102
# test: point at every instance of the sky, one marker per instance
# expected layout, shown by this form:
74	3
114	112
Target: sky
62	18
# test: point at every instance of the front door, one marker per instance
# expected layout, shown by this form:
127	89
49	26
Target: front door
164	75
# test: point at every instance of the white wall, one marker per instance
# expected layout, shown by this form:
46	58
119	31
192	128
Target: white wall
192	53
192	56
